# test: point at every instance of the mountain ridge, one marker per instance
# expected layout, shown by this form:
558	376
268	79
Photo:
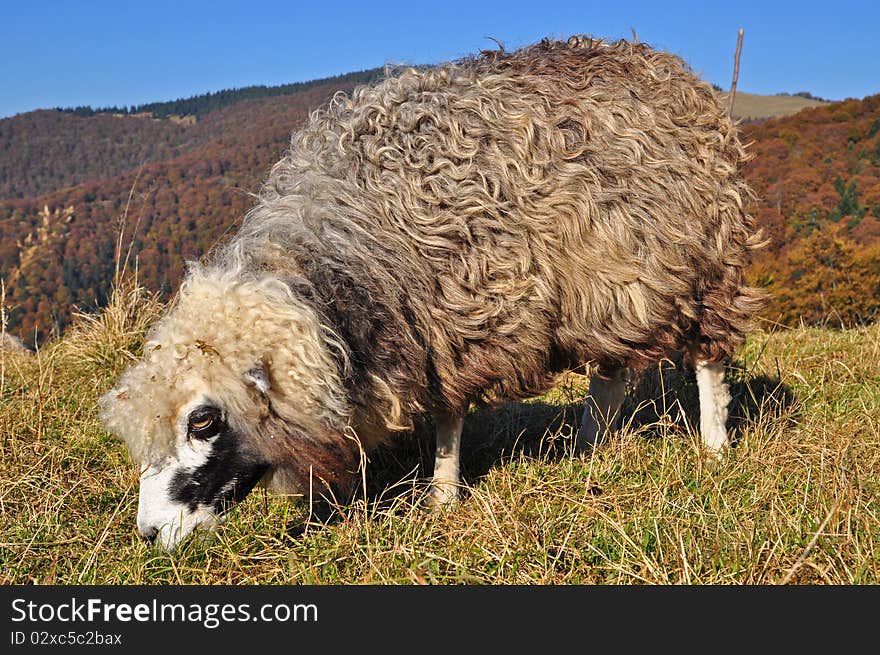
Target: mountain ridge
202	103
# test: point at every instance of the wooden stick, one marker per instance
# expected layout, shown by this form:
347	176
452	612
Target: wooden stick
739	45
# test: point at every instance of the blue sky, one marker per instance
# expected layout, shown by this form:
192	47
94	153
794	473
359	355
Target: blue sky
123	53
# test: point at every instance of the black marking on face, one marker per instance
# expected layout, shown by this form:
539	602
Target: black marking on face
228	474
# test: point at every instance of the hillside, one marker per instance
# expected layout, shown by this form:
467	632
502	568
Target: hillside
755	107
795	501
817	178
199	105
66	181
178	207
46	150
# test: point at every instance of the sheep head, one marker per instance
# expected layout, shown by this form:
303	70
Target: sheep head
238	385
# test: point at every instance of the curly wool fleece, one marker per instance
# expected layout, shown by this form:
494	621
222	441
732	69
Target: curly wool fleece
459	233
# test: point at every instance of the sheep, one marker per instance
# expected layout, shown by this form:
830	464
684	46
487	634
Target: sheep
452	234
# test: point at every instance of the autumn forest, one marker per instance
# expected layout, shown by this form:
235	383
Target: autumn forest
171	179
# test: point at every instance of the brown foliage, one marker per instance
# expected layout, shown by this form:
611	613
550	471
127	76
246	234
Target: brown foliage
824	279
180	207
817	176
197	180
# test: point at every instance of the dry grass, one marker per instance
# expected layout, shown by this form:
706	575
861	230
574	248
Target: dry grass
113	336
794	502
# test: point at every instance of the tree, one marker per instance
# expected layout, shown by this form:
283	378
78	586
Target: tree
848	205
825	279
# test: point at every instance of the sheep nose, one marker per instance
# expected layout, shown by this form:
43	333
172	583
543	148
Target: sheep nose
150	534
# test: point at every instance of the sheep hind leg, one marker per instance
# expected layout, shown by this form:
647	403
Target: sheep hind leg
446	482
602	409
714	400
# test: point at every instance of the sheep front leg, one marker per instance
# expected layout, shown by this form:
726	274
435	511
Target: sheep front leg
445	484
714	399
602	410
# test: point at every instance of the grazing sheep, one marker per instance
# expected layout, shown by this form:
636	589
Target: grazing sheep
452	234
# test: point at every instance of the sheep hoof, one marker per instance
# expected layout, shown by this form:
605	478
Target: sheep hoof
713	456
442	495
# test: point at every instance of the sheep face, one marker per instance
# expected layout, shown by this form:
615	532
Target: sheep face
238	384
188	422
208	471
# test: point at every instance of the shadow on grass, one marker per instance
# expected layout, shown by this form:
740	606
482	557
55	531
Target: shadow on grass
664	396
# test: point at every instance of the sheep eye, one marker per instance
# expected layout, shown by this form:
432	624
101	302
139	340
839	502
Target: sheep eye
204	422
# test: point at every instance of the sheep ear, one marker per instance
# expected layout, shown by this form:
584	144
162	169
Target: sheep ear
259	378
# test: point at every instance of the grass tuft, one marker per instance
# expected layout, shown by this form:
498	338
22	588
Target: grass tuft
112	338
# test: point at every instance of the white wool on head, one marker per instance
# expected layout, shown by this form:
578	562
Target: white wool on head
218	329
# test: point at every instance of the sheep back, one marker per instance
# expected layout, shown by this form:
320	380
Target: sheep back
469	230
